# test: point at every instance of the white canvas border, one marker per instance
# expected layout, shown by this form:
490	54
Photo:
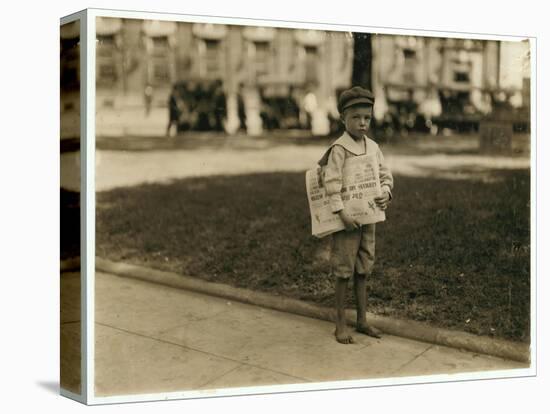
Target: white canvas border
72	18
71	395
319	386
89	170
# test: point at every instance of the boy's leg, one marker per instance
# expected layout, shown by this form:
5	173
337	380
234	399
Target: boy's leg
360	288
364	265
342	334
343	255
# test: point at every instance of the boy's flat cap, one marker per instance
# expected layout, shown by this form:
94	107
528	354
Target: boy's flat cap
355	96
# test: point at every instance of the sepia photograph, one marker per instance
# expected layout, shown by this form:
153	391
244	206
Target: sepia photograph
280	207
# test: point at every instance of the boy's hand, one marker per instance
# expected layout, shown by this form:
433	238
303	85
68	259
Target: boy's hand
383	200
349	222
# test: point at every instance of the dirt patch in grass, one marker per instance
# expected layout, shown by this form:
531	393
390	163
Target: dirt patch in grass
452	253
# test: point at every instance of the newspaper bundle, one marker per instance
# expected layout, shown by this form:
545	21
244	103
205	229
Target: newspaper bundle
361	184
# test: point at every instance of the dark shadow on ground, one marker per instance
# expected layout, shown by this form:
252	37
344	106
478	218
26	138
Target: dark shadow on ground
69	205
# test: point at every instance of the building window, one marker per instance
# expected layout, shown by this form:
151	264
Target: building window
409	65
212	57
261	58
160	60
106	45
106	60
312	65
161	75
160	44
462	77
107	73
409	54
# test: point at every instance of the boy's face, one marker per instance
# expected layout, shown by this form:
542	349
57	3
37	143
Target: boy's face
357	119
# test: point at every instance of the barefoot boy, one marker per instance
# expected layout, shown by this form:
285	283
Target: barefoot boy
353	248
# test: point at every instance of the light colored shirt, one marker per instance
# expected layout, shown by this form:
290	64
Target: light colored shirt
334	159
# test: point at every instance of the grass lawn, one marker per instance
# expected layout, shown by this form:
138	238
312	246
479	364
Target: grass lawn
455	254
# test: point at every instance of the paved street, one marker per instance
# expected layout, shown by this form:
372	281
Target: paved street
152	338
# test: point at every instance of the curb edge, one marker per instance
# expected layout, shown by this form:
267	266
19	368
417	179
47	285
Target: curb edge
399	327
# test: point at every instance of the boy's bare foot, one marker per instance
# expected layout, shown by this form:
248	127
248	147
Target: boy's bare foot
367	330
343	336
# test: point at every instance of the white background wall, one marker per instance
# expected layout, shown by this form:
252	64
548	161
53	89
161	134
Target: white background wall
29	233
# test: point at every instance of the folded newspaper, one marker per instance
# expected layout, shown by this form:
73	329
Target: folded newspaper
361	184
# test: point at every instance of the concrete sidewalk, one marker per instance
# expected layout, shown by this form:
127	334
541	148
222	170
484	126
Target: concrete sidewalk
152	338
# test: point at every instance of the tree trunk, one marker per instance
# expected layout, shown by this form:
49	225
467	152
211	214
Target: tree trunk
362	60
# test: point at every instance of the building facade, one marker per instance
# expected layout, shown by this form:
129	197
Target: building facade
447	81
138	62
289	78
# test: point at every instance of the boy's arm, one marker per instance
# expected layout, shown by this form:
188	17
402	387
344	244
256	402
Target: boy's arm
333	177
386	177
